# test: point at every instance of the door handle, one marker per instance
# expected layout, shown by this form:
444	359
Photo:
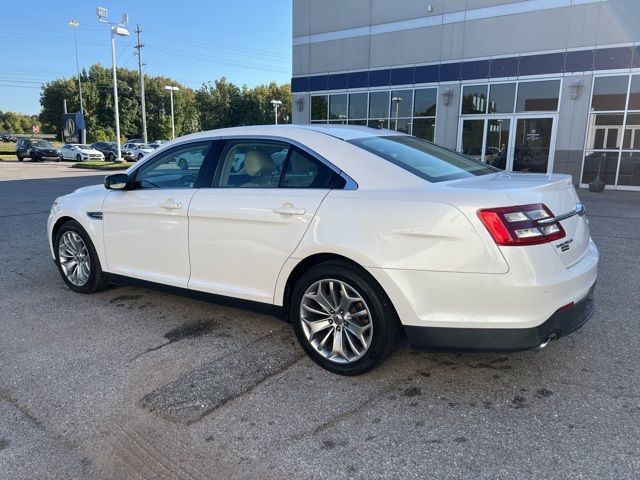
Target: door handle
171	205
289	209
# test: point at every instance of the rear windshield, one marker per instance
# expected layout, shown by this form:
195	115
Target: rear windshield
424	159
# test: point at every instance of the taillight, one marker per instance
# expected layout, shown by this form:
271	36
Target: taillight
520	225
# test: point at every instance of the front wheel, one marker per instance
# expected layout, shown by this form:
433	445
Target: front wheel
112	157
20	158
79	157
77	259
342	318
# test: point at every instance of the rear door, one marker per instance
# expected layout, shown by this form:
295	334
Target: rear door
146	228
243	229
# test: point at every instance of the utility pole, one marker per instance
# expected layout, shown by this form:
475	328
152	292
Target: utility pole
138	47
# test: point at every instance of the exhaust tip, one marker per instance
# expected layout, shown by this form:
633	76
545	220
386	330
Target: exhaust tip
553	336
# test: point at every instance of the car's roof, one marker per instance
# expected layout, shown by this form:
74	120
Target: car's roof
343	132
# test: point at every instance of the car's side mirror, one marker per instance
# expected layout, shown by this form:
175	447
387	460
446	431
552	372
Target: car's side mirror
116	181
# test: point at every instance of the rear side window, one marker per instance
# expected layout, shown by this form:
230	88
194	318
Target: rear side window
424	159
304	171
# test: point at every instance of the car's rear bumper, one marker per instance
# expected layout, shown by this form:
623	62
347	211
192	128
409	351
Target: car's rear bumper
561	323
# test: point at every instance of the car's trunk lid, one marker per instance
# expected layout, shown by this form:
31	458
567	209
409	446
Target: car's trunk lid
553	190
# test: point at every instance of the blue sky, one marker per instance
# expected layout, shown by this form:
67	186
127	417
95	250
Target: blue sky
247	41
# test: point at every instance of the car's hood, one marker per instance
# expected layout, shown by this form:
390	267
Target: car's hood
88	151
91	188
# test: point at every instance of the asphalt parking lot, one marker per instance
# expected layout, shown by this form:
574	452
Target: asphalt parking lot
132	383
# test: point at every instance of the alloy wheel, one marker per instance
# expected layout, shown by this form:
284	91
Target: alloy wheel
74	258
336	321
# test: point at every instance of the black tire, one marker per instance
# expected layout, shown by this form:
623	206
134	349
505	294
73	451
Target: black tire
20	158
112	157
97	278
385	323
79	157
140	156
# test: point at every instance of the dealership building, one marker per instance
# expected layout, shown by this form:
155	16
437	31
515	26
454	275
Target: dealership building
530	85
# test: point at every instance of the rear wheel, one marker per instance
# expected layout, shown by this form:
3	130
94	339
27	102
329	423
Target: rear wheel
77	259
342	318
112	157
20	158
79	157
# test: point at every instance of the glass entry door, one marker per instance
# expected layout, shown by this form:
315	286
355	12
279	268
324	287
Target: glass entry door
532	150
486	139
493	141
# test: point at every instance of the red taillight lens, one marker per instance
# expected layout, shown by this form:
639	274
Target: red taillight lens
520	225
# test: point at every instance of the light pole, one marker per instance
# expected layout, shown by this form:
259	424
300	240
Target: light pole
173	125
276	104
397	101
119	30
73	24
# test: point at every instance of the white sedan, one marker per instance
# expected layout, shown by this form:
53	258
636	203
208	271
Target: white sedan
356	235
75	151
139	150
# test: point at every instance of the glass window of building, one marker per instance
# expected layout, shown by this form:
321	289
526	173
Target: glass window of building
634	93
613	138
338	107
474	99
424	128
425	102
319	107
502	97
538	96
357	106
379	105
609	93
401	103
378	123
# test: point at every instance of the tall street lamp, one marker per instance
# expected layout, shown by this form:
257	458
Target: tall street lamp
276	104
397	101
173	125
73	24
119	30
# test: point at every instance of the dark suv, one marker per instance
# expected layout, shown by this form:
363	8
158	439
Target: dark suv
36	149
110	151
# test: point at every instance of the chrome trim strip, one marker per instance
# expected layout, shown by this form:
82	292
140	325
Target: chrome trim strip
577	210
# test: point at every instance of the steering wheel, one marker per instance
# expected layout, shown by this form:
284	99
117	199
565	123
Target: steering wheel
186	180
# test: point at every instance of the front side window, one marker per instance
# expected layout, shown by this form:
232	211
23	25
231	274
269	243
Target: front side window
251	164
424	159
176	168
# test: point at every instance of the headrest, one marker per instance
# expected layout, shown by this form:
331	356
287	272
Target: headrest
258	162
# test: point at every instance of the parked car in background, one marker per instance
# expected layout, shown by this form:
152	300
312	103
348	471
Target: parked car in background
156	143
357	235
110	151
74	151
36	149
139	149
7	138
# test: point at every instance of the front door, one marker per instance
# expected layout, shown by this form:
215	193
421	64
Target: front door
241	232
146	228
532	149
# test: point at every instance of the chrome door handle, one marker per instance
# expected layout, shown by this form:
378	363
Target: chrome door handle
289	209
171	205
